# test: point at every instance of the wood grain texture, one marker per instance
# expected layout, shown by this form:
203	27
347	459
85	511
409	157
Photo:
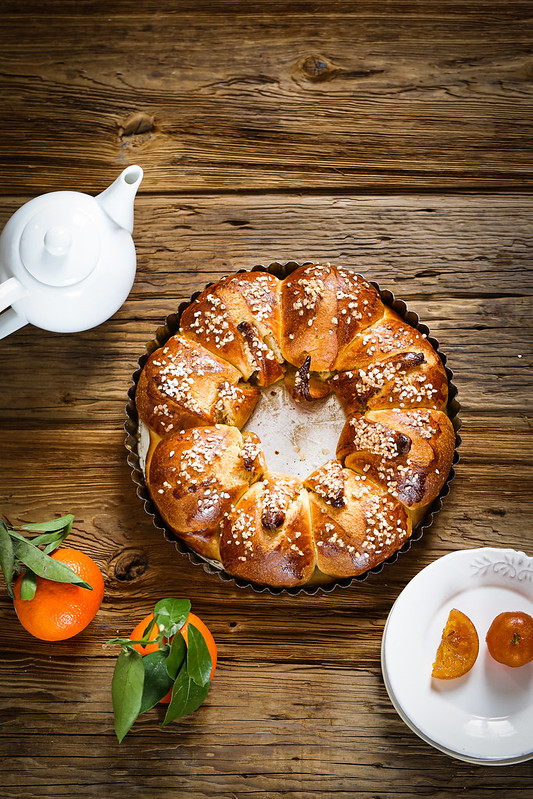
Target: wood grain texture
393	138
462	262
307	669
340	96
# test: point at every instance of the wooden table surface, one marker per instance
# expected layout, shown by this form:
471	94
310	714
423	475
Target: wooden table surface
393	138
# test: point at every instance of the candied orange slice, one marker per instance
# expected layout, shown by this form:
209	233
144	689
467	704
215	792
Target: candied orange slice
458	648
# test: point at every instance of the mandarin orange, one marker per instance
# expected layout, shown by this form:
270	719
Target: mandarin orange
137	633
60	610
510	638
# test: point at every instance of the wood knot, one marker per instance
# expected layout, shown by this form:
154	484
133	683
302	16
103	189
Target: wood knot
138	124
67	398
317	68
129	565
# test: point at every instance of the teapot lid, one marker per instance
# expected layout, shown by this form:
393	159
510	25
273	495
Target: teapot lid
59	245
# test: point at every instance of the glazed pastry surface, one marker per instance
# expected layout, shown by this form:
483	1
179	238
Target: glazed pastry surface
322	329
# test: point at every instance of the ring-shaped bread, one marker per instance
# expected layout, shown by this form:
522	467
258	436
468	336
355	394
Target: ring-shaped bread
323	328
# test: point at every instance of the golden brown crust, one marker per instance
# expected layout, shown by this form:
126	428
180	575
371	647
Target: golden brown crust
391	365
408	453
356	525
184	385
322	308
197	475
321	328
267	538
238	318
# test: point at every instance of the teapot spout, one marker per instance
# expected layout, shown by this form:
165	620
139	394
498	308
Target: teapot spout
117	199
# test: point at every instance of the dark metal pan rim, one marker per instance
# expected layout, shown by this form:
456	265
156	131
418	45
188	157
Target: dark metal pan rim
171	327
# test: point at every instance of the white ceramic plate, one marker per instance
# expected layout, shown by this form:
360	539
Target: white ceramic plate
486	716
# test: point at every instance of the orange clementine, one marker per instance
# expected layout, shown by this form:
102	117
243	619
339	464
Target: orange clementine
510	638
61	610
137	634
458	648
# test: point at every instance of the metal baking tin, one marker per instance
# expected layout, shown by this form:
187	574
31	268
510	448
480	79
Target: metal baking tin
171	326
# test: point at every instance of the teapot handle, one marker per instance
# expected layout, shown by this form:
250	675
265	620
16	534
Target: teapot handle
10	320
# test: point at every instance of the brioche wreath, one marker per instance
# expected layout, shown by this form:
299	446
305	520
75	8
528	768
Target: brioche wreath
319	329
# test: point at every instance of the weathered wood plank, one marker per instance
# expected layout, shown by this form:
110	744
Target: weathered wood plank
490	10
330	757
473	246
492	373
463	263
391	137
418	96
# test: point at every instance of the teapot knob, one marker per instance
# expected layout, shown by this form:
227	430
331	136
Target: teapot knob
57	240
60	244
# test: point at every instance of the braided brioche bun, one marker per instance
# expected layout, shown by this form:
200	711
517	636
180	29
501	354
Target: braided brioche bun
408	453
197	475
184	385
356	524
322	309
320	329
391	365
267	537
238	318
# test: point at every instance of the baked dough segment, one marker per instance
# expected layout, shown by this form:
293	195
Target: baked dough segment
238	318
184	385
322	308
390	365
407	453
356	524
197	475
267	537
321	328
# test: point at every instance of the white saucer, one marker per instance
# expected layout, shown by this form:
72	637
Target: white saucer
486	716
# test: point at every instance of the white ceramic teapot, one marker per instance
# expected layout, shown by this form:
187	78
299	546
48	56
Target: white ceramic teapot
67	260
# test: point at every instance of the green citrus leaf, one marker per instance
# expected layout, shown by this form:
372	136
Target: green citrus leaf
199	663
52	539
54	525
28	585
176	656
7	557
52	545
45	566
171	614
127	690
147	630
157	683
54	532
187	697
